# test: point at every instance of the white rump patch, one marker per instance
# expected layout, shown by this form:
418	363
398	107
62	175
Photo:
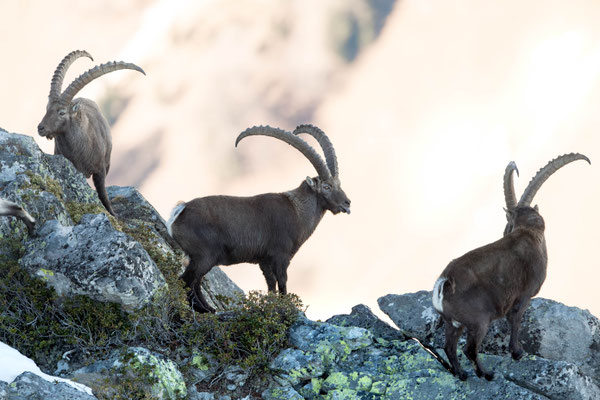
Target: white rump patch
174	214
438	296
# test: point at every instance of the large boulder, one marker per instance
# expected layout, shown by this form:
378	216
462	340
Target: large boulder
30	386
121	260
333	362
93	259
549	329
146	371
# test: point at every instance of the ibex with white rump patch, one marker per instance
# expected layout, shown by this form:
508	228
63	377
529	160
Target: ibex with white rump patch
498	279
81	132
267	229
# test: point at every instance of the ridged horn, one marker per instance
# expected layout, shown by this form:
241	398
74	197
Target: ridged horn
509	185
94	73
61	70
294	141
325	144
543	174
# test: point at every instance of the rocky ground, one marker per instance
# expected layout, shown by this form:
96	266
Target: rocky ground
122	267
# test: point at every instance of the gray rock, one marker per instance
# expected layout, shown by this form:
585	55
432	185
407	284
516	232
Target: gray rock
353	365
95	260
362	316
139	215
30	386
286	393
554	379
138	362
193	394
549	329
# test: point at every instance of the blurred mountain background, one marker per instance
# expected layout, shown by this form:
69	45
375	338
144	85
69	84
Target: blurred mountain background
425	101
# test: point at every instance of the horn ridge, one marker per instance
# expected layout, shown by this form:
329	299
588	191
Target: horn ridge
61	70
325	144
94	73
545	172
294	141
509	185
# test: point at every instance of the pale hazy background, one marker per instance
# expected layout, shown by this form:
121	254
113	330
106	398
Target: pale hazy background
425	101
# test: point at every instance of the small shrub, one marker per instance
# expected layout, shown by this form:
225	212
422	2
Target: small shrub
255	333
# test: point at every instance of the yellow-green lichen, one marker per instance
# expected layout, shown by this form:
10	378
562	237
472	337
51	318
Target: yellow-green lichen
46	184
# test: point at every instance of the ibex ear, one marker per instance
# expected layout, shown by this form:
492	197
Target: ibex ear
311	182
510	214
75	108
536	208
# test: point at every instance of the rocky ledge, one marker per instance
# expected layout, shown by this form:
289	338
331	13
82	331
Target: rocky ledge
81	253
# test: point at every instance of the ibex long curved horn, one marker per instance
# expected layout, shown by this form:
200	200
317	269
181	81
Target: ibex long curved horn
509	185
61	70
325	144
544	173
94	73
310	153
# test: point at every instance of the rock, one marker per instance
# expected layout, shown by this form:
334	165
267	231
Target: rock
414	315
362	316
153	374
549	329
58	196
93	259
284	393
141	218
30	386
333	362
555	379
193	394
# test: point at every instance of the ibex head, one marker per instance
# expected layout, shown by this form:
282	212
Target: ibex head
61	108
534	185
327	185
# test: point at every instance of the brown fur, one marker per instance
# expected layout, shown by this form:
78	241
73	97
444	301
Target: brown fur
491	282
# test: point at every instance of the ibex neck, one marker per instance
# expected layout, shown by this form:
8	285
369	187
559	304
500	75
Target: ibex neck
308	208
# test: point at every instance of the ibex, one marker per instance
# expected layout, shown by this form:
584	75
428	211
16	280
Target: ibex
81	132
267	229
8	208
498	279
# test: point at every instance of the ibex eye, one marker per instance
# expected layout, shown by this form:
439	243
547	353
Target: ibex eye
61	112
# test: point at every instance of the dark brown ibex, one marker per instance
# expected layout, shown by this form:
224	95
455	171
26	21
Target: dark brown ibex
267	229
498	279
8	208
81	132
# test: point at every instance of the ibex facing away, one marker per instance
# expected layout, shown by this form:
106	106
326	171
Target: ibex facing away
81	132
267	229
498	279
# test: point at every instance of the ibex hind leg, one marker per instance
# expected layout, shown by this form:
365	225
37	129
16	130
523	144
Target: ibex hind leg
452	334
267	271
101	190
193	275
280	268
475	335
514	317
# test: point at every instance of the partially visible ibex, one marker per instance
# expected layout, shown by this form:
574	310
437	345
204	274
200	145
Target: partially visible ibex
534	185
82	133
267	229
8	208
498	279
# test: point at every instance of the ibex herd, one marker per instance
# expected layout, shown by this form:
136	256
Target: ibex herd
487	283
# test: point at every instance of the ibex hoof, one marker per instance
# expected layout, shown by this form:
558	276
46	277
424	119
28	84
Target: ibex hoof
517	354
